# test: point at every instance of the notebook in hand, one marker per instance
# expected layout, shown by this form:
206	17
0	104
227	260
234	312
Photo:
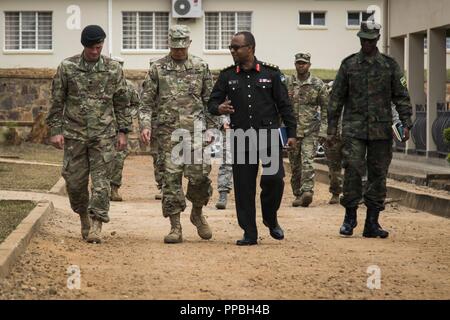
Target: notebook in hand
283	136
398	130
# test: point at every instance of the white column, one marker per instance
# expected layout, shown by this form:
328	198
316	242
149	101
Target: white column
437	75
110	35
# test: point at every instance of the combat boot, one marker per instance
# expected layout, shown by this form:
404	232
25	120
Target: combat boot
94	234
175	235
199	220
372	228
306	199
85	224
222	202
297	202
350	222
334	199
158	196
115	196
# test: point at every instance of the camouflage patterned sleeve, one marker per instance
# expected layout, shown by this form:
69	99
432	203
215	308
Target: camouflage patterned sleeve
148	98
59	90
121	102
400	96
323	99
290	87
135	102
337	100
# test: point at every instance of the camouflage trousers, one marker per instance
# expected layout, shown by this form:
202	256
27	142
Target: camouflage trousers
361	155
119	160
199	189
301	159
225	176
158	163
333	152
81	160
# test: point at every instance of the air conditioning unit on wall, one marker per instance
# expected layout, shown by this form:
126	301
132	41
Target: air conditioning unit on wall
187	9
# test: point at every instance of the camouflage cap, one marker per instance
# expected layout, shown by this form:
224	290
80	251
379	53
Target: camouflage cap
305	57
179	36
369	30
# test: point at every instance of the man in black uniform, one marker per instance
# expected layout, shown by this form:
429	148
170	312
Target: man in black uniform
255	96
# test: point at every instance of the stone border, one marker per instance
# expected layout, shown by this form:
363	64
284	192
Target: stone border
16	243
59	187
419	201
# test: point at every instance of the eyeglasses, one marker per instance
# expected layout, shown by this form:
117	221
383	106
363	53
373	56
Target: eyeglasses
236	47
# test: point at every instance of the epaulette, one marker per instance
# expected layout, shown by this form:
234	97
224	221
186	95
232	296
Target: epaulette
272	66
229	67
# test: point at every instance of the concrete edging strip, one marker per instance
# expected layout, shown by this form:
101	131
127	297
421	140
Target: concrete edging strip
16	243
59	187
429	203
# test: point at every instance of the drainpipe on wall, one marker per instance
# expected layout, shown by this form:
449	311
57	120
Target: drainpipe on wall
110	42
386	20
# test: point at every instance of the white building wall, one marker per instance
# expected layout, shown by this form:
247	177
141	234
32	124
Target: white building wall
66	42
274	24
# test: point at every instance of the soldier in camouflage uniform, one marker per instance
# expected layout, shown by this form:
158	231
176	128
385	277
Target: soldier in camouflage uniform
308	94
89	106
119	160
365	86
158	165
177	88
333	153
225	176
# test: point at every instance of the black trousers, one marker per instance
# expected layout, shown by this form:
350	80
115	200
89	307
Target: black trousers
272	185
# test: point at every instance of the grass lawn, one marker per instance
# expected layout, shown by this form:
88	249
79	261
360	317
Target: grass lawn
33	152
12	212
25	177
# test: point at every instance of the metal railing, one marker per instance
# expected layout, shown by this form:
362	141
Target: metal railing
442	122
419	130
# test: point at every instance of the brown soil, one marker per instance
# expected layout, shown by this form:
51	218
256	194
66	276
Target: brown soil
313	262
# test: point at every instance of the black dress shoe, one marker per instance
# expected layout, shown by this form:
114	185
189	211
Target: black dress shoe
246	242
276	232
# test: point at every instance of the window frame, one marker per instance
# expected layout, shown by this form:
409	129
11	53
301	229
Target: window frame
139	50
312	26
352	26
36	49
225	50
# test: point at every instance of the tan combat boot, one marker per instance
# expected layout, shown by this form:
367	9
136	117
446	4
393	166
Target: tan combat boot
297	202
85	224
222	202
94	233
158	196
199	220
306	199
115	196
175	235
334	199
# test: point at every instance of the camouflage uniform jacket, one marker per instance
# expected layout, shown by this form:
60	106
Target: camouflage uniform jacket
178	94
309	99
88	102
135	100
365	87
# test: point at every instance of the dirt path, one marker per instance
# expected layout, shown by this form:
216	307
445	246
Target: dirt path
312	262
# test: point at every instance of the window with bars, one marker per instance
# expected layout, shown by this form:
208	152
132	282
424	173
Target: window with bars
28	30
145	30
311	18
354	18
221	26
